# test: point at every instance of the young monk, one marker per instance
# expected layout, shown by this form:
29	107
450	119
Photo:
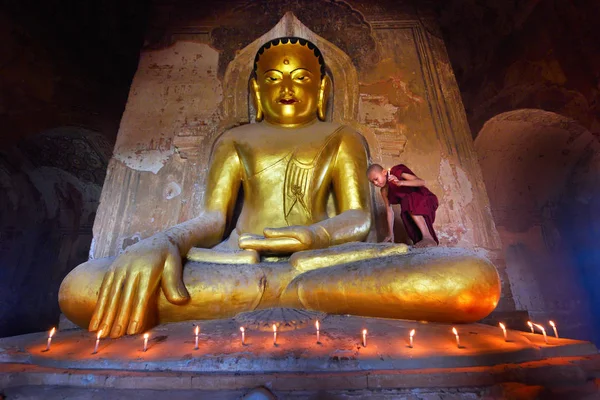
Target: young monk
399	185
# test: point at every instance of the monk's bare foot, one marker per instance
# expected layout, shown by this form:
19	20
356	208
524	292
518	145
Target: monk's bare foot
427	242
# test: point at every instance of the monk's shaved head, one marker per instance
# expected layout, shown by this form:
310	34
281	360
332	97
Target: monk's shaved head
374	168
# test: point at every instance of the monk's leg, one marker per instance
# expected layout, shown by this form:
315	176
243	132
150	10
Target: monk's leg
421	223
216	290
439	285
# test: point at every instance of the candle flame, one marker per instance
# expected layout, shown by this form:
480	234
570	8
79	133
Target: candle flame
502	326
317	325
274	328
530	324
197	330
146	335
242	329
364	331
412	333
455	331
552	324
99	334
52	332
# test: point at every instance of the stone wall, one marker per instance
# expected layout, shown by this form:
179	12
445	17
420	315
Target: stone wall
529	75
65	71
51	185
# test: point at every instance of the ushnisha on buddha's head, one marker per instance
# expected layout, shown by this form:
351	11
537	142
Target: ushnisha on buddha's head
289	85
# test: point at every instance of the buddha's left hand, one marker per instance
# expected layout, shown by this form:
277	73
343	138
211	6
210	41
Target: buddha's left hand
286	240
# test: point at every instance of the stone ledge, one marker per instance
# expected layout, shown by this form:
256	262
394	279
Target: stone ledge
556	372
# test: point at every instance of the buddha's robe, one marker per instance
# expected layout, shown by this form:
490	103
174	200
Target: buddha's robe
415	201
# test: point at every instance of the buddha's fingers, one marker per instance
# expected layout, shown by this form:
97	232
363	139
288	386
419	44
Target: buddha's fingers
172	281
129	291
101	302
140	308
113	304
272	245
300	233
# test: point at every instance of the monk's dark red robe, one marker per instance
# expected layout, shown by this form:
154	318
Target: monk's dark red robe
413	200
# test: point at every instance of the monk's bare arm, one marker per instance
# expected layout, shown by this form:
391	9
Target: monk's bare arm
409	180
389	214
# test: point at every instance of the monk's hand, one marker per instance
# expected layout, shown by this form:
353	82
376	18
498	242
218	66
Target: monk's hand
389	238
394	179
287	240
127	296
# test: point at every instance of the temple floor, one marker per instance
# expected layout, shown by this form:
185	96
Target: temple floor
297	364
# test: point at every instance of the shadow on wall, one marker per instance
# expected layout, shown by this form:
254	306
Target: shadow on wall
541	171
50	189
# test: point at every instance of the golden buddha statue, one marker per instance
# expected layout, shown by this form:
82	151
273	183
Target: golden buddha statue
306	194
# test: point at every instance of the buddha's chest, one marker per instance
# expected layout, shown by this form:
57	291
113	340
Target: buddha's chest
274	155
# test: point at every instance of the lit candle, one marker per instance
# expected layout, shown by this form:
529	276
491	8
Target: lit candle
50	334
146	336
503	330
457	338
364	337
97	341
553	325
541	328
274	335
530	326
243	335
318	332
410	336
196	333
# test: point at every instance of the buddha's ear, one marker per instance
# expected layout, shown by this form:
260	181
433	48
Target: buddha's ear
323	97
256	97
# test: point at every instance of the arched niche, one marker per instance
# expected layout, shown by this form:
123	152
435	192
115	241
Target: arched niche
343	101
531	161
345	77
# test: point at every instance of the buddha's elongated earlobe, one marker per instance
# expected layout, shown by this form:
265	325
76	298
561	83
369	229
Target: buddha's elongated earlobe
256	97
323	97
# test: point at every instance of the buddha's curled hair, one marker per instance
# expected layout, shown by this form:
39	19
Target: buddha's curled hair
292	40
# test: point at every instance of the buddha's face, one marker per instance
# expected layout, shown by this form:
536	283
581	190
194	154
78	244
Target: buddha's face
288	80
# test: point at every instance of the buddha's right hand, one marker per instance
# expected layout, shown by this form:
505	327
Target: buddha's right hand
126	298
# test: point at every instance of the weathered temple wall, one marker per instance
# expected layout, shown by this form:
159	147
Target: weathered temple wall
183	95
542	173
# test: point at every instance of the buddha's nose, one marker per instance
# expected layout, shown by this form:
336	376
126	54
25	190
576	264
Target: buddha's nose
286	88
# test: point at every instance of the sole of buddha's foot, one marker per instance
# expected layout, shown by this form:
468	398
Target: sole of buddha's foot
260	393
286	319
425	243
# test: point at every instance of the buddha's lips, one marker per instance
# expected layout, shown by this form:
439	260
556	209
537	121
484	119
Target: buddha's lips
288	101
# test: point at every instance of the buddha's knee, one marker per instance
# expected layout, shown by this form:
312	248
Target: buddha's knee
443	285
79	290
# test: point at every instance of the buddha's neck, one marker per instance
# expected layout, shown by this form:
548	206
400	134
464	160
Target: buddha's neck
290	126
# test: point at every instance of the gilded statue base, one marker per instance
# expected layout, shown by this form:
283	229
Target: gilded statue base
297	363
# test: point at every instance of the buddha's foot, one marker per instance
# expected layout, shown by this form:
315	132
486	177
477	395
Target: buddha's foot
427	242
260	393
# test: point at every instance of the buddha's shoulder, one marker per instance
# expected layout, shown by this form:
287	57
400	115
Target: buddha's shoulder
346	132
238	131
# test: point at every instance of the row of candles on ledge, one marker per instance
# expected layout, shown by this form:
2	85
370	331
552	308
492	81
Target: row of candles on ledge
317	326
